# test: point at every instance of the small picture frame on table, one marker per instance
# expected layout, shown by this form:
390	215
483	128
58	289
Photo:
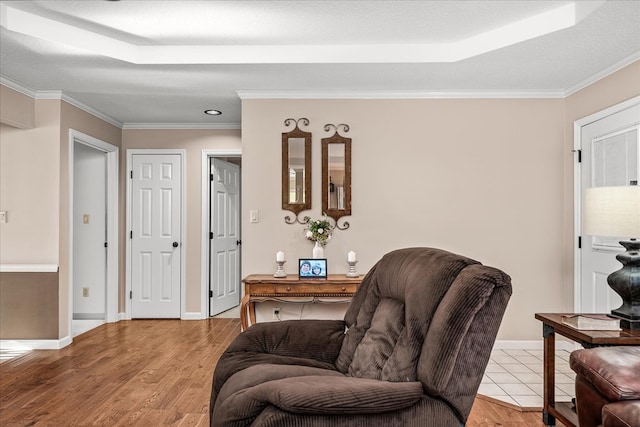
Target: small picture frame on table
312	268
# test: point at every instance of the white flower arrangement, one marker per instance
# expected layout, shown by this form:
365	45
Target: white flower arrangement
319	230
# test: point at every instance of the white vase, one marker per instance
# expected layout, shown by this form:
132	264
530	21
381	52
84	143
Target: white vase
318	251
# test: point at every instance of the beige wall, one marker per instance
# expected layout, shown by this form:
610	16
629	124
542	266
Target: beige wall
29	188
193	142
486	178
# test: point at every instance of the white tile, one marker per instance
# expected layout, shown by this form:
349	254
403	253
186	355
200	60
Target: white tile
564	379
502	360
538	369
529	378
529	360
494	367
537	388
516	353
486	380
491	390
517	389
565	369
569	389
517	368
507	399
529	401
536	353
503	378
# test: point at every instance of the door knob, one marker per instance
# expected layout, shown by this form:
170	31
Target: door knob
175	244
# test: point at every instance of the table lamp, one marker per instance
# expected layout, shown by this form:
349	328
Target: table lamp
615	211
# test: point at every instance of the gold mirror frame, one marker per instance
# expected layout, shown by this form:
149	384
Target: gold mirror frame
341	189
287	204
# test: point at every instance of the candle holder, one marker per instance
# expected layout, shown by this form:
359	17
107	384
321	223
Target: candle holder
352	269
280	272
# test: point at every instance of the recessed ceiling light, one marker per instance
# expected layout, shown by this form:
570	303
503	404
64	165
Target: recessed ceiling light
213	112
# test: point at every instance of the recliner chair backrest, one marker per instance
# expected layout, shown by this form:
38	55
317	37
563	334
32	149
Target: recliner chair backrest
428	315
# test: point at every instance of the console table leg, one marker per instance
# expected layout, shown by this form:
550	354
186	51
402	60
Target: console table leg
548	419
549	356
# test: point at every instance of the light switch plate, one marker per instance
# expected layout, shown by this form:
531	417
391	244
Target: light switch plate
254	216
3	216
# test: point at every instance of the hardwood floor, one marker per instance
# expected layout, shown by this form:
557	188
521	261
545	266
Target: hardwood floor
142	373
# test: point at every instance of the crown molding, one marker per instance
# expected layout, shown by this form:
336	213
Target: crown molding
57	94
387	94
602	74
219	126
12	84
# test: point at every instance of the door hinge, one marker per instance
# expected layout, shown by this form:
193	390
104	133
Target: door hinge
211	235
131	234
579	155
130	294
106	244
579	242
210	294
210	177
131	174
238	242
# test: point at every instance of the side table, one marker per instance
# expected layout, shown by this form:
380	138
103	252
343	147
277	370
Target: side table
264	287
552	324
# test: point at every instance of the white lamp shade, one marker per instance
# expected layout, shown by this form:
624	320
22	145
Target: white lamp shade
612	211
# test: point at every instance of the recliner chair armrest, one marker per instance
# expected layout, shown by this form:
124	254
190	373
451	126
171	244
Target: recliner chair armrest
314	343
320	340
340	395
318	395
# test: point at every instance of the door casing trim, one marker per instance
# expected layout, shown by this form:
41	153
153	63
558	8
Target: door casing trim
113	155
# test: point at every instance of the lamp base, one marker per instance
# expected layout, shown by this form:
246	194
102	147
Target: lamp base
626	283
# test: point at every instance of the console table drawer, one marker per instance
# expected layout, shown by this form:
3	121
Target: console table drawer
316	289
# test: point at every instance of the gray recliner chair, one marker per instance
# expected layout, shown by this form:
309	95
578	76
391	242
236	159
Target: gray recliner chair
411	351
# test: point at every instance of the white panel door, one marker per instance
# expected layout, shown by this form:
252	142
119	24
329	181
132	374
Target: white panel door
224	249
156	241
610	157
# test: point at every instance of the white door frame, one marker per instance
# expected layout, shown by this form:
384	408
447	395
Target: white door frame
183	234
577	193
112	154
204	228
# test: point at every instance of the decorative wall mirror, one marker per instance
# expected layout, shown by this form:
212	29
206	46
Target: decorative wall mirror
336	175
296	169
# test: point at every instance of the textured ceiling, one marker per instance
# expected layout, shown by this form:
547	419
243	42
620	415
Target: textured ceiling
161	93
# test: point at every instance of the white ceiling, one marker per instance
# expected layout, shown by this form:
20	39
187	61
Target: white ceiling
142	63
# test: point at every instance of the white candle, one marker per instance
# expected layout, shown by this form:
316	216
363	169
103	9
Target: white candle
351	256
280	256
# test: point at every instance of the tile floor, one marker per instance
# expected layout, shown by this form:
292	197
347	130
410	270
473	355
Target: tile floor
515	377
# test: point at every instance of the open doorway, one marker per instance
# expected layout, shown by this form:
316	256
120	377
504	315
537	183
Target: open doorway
93	233
221	241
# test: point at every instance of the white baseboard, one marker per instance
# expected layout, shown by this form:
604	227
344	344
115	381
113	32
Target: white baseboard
123	316
193	315
533	345
35	344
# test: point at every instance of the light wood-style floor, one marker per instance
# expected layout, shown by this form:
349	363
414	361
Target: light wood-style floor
143	373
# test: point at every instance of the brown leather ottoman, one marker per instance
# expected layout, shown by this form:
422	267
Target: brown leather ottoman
607	386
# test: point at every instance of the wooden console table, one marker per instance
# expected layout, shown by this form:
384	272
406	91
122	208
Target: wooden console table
265	287
552	324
